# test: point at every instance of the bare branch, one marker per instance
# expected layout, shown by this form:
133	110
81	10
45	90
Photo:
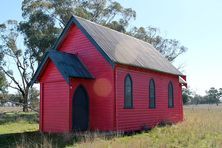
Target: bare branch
32	66
16	88
13	79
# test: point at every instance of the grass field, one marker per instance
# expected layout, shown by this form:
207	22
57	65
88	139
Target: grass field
202	127
18	122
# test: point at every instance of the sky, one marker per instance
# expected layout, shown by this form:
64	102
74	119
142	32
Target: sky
197	24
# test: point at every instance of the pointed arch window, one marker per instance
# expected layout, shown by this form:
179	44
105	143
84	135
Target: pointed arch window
128	92
152	94
170	95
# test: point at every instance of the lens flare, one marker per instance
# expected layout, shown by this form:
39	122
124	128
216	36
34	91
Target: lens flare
102	87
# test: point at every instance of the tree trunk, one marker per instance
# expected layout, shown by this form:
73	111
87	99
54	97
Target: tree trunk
25	103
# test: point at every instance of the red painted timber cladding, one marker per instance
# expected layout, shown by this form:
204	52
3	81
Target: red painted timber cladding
100	90
140	115
54	101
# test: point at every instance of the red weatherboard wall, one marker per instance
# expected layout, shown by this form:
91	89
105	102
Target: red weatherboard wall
140	115
54	103
100	90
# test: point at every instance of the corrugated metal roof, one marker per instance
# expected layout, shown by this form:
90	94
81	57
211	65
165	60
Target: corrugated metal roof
69	65
124	49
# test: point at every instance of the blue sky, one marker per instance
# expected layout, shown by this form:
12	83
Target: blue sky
196	24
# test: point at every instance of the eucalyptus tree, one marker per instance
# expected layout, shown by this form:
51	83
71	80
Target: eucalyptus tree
15	63
45	19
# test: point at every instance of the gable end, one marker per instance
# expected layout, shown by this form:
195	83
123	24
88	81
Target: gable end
62	36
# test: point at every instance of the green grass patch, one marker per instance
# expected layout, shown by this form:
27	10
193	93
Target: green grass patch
18	127
18	122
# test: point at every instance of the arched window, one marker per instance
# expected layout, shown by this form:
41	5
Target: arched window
128	92
170	95
152	94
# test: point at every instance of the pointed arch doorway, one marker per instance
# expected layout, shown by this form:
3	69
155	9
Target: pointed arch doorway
80	110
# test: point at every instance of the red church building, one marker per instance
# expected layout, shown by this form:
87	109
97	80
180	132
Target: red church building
95	78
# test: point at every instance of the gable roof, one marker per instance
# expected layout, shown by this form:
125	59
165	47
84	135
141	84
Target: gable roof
119	48
69	65
115	47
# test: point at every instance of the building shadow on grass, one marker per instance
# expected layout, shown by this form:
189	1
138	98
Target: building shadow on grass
38	139
34	139
18	116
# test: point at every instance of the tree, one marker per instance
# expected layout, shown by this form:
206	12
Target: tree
49	17
196	99
170	48
40	33
34	98
187	95
15	60
14	99
220	93
3	87
3	83
213	95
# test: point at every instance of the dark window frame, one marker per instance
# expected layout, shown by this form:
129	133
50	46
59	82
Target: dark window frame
170	86
131	92
152	106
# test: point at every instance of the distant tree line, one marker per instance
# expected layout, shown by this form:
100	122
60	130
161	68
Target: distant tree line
212	96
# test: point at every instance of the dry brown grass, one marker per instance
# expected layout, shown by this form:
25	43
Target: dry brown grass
202	127
10	109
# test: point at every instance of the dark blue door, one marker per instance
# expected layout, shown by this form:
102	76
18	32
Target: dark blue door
80	110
